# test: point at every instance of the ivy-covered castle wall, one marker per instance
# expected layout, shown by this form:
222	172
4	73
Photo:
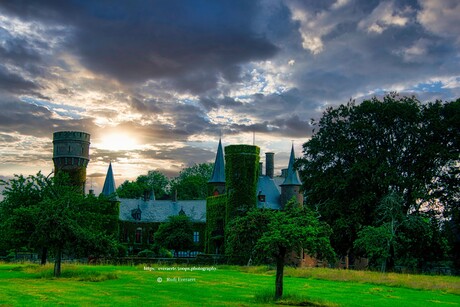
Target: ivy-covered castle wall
215	224
241	175
138	236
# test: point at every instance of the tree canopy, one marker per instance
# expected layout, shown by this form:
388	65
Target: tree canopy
272	235
361	153
154	181
176	234
38	212
192	182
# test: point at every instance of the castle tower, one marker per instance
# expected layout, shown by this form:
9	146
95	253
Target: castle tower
71	155
291	185
216	185
269	164
241	175
109	183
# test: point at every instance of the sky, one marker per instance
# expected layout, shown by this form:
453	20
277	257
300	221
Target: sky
156	83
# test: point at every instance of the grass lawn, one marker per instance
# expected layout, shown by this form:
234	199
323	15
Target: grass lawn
80	285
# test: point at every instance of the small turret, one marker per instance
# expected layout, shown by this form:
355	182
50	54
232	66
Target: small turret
291	185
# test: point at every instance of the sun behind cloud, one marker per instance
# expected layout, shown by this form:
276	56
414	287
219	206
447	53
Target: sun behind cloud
117	142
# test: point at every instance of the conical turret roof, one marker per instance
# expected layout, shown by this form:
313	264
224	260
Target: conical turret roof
218	173
109	183
292	177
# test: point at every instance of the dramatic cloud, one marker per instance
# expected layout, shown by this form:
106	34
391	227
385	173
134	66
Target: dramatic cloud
156	83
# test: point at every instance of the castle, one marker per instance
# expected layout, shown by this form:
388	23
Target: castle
237	185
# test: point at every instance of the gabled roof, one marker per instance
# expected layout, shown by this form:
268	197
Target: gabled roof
218	173
159	210
292	176
268	187
109	183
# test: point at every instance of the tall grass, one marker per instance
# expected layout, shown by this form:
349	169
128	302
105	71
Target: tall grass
69	271
448	284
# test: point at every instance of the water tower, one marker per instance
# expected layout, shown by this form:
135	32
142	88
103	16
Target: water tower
71	155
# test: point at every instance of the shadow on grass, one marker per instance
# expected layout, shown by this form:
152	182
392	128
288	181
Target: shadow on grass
289	299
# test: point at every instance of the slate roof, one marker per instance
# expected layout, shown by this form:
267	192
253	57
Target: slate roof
109	183
160	210
292	177
218	173
268	187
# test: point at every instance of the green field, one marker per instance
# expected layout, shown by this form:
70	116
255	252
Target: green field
81	285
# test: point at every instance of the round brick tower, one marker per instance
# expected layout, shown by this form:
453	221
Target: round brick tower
71	155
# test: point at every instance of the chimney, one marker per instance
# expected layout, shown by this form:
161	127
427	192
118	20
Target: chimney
174	196
269	164
261	165
284	172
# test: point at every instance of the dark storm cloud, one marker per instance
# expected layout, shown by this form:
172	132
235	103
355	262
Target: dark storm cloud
369	45
30	119
14	83
138	40
283	114
16	50
187	155
283	127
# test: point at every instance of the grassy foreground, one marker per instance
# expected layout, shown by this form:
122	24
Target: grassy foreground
80	285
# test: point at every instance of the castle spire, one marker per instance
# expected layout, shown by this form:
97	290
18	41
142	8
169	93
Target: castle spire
292	177
109	183
217	182
218	173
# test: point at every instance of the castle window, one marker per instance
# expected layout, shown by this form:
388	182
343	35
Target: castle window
125	234
138	235
69	148
196	236
136	214
151	236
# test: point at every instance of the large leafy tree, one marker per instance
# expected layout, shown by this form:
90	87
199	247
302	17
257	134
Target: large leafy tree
154	181
275	235
176	234
17	220
362	152
61	219
192	182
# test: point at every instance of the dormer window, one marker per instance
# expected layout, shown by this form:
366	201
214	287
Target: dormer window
136	214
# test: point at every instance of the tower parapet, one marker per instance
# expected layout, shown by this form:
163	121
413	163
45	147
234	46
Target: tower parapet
71	155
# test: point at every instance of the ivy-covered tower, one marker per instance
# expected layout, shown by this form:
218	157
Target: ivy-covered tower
71	155
241	175
291	185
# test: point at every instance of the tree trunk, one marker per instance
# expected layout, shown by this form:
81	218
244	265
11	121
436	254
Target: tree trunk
391	259
279	273
44	256
57	263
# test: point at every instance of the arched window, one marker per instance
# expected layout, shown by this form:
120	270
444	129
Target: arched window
138	235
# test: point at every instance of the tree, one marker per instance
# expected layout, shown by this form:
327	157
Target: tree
282	233
154	181
192	182
62	219
176	234
378	242
363	152
17	221
242	235
130	189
